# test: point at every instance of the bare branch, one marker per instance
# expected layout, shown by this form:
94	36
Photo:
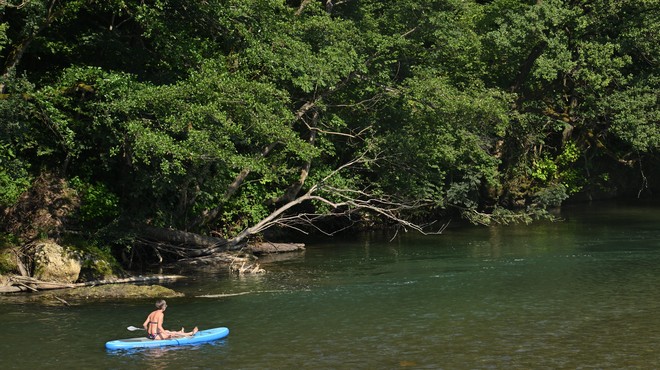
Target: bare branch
361	159
316	129
310	220
303	4
348	201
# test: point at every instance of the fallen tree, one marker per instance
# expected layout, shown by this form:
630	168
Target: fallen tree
329	199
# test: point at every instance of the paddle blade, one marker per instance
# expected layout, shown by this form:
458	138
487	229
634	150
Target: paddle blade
133	328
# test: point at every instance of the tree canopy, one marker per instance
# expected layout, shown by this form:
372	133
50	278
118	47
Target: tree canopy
213	116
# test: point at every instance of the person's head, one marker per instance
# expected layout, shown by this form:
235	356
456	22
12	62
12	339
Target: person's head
161	304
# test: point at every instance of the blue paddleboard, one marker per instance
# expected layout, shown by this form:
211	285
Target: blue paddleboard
143	342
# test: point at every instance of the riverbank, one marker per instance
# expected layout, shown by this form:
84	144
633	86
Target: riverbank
63	281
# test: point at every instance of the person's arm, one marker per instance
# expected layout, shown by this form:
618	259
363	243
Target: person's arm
146	322
160	323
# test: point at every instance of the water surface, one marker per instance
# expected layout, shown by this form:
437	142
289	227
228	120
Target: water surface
582	293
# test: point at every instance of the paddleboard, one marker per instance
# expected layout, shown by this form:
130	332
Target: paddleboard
144	342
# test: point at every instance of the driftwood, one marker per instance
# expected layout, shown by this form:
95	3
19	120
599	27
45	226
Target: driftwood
215	259
244	269
178	237
195	249
23	284
268	247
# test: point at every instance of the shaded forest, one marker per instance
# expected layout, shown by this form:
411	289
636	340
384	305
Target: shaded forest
192	127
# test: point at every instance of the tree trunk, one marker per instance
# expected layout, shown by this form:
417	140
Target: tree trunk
526	68
178	237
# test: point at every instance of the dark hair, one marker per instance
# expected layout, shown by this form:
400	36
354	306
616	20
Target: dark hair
161	304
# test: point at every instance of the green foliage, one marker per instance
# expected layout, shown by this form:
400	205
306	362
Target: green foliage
446	141
571	179
16	136
98	204
551	196
545	169
569	155
635	113
557	177
14	177
583	84
98	262
8	243
7	262
3	36
171	110
242	211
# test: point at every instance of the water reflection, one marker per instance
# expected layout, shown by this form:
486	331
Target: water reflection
165	357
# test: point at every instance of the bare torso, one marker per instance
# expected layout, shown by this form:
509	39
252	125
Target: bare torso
154	324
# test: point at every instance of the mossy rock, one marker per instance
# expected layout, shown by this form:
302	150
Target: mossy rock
97	262
8	261
95	268
53	262
113	291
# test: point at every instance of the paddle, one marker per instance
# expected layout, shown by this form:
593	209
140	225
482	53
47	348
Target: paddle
133	328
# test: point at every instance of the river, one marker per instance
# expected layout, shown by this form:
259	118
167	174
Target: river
581	293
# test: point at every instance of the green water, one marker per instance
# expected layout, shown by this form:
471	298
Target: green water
583	293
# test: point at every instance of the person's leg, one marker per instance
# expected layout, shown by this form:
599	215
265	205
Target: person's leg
164	335
182	333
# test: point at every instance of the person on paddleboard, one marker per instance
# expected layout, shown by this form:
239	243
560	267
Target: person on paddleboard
154	324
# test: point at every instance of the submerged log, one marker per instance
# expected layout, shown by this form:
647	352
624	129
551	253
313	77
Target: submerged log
268	247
